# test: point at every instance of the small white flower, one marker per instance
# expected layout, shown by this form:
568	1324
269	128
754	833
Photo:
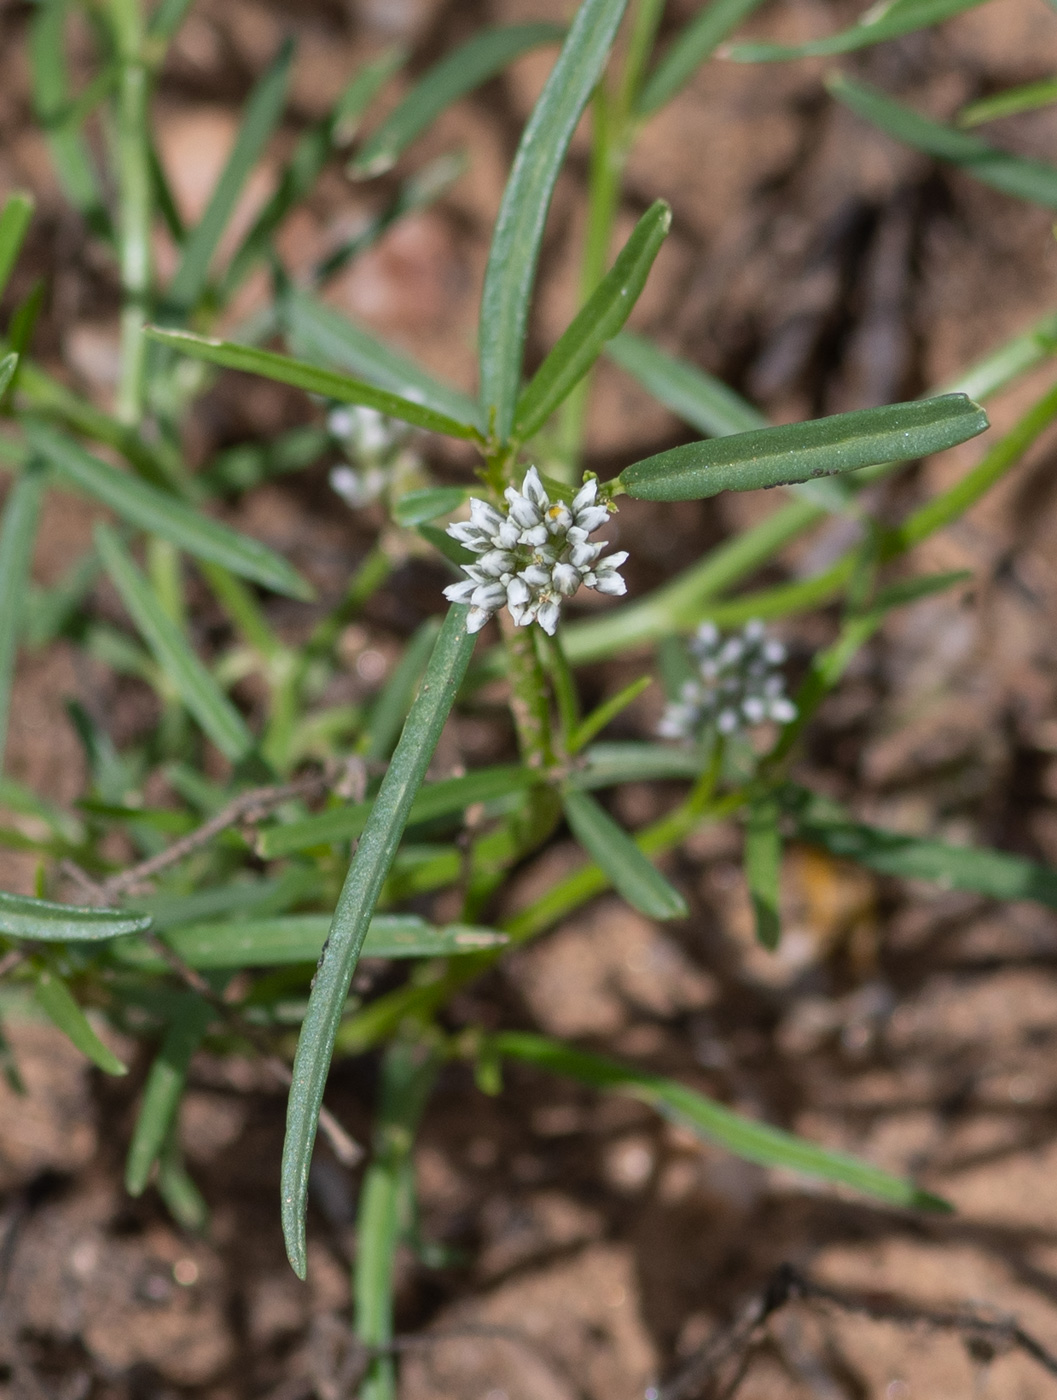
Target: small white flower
738	684
534	556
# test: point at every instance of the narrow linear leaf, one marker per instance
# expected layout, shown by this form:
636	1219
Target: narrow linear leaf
363	885
170	519
1015	175
763	866
14	225
301	375
514	253
18	535
182	668
996	874
164	1089
457	74
605	765
887	20
43	922
801	451
689	49
416	507
599	320
57	1001
756	1142
606	713
634	876
299	938
1029	97
697	397
317	333
262	115
433	800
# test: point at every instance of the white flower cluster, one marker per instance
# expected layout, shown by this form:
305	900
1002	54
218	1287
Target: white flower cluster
369	439
533	556
738	684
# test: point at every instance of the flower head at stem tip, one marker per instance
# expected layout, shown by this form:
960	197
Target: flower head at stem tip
533	555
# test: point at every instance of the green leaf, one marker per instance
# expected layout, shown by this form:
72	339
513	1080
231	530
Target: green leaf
607	712
416	507
317	333
14	225
599	320
996	874
698	398
370	865
763	866
43	922
181	667
178	1191
390	707
515	248
18	535
165	516
56	1000
605	765
164	1089
695	43
301	375
880	22
299	938
1024	179
756	1142
433	800
457	73
262	115
801	451
59	118
635	877
1029	97
309	157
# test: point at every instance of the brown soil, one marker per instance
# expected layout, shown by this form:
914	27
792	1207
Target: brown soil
589	1248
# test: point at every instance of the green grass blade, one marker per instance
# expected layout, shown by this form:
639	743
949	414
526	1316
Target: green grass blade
310	155
417	507
880	22
597	720
14	225
57	1001
1007	361
262	115
756	1142
312	378
165	516
8	365
599	320
408	1073
635	877
176	1188
605	765
170	648
317	333
979	870
166	19
43	922
390	707
1015	175
763	867
457	74
289	939
1029	97
802	451
370	865
515	248
695	43
18	534
59	118
698	398
433	800
164	1089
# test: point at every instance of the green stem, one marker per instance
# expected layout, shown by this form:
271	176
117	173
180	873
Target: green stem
135	195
